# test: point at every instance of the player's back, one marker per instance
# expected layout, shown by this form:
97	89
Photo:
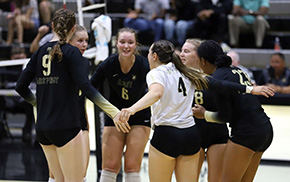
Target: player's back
247	115
174	107
57	88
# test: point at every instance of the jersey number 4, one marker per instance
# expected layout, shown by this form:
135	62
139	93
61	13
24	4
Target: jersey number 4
181	87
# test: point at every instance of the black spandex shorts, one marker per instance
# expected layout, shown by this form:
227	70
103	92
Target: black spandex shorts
140	118
257	143
212	133
56	137
174	141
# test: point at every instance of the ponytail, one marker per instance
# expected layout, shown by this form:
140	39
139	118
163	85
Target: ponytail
212	52
63	22
165	51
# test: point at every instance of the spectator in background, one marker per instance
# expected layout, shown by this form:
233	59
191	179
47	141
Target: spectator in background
153	20
45	11
277	75
212	20
181	17
44	35
248	16
15	104
18	52
25	16
236	62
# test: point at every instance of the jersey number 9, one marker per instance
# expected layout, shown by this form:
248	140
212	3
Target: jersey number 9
46	64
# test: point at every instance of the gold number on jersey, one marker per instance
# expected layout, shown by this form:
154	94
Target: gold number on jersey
242	81
198	97
125	94
46	63
181	87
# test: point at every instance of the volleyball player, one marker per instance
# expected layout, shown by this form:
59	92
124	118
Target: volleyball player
175	143
60	71
79	39
213	136
251	130
125	72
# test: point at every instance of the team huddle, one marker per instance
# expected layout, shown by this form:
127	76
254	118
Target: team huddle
191	96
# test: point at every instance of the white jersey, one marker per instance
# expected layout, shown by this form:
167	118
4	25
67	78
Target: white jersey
174	107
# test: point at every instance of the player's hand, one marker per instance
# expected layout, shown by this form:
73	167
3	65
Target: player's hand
198	111
266	91
121	125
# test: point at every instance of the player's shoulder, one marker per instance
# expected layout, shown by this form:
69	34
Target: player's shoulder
112	59
68	48
142	63
225	70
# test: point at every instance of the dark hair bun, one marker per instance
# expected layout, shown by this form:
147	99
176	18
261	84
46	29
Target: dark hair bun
223	60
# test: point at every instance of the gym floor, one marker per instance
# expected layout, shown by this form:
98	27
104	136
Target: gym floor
21	162
24	161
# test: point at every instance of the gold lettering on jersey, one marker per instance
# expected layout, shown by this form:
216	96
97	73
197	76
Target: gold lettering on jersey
244	79
47	80
134	77
126	84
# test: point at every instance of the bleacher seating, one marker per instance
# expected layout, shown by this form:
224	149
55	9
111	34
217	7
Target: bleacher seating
278	17
259	58
120	6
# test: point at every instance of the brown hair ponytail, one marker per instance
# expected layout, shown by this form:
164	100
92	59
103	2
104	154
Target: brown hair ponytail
165	51
63	21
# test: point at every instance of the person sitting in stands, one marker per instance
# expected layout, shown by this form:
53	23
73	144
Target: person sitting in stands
154	11
277	75
44	35
181	18
212	21
45	11
248	16
25	16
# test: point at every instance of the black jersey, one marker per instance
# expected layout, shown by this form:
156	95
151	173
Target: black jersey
125	89
213	133
58	84
83	112
242	111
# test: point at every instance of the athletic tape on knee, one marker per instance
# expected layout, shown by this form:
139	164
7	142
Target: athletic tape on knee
107	176
132	177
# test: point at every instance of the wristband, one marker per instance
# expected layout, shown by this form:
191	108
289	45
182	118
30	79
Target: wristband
211	117
249	89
